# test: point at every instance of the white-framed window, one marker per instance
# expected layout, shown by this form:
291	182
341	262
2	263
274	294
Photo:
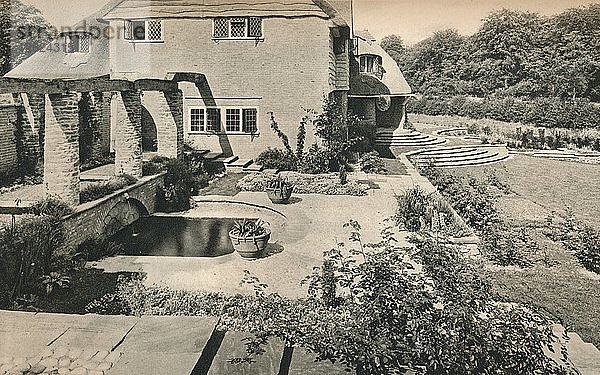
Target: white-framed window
237	28
77	43
236	120
144	30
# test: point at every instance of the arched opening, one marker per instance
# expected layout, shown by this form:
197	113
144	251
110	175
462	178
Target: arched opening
121	215
149	132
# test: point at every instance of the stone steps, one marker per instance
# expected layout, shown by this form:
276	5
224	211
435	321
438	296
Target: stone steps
392	138
452	157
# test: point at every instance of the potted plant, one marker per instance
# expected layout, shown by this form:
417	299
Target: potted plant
279	190
249	237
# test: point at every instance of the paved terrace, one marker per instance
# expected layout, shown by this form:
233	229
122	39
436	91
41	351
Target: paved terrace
314	224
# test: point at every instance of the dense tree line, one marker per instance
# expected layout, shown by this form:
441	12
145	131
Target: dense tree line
23	32
513	53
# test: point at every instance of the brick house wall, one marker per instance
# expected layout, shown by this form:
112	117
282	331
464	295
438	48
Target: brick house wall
286	73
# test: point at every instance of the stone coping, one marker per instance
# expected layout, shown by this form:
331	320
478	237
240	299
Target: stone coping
89	205
230	200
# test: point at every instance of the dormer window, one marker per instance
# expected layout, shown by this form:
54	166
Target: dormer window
77	43
237	28
371	64
144	31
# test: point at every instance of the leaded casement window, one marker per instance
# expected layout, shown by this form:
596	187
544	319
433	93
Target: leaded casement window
144	31
77	42
197	120
236	120
249	120
237	28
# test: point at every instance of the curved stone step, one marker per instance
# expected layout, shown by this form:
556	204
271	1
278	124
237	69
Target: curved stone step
475	163
411	142
444	151
464	154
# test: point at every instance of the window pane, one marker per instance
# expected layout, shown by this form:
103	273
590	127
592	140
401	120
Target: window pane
250	118
254	27
238	27
233	120
154	31
213	120
84	43
128	30
72	43
221	28
139	30
197	120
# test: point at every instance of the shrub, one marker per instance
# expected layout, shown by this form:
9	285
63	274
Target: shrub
376	316
179	186
372	163
470	197
545	112
97	248
578	238
315	161
507	246
305	184
27	252
278	159
51	206
102	189
419	211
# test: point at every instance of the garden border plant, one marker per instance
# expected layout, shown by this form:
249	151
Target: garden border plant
372	309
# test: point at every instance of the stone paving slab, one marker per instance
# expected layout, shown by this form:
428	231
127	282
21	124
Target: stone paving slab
104	332
154	364
169	334
303	363
24	335
233	347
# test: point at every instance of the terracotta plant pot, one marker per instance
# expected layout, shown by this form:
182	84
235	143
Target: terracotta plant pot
279	196
250	247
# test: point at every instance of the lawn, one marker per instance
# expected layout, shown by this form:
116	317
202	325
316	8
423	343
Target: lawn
551	184
564	289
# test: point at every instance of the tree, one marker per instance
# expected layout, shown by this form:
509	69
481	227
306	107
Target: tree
434	66
393	45
500	50
24	31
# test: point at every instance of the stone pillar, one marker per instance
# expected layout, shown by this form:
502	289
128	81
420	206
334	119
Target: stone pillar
61	151
166	109
128	133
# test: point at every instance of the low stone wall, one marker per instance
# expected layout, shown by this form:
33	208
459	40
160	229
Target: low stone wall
107	215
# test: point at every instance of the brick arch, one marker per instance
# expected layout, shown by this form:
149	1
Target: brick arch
122	214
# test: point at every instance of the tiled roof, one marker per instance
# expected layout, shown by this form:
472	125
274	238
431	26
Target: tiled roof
54	63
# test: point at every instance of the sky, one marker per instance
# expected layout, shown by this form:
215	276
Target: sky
413	20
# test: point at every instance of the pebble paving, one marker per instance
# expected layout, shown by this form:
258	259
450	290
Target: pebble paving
61	361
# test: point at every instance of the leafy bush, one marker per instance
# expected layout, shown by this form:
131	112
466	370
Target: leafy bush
372	163
51	206
545	112
470	197
102	189
180	185
97	248
582	240
377	315
276	158
507	246
27	252
315	161
305	184
419	211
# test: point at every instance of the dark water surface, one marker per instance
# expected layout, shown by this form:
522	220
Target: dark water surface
177	237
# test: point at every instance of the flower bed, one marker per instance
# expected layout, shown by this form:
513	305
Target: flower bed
327	184
102	189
